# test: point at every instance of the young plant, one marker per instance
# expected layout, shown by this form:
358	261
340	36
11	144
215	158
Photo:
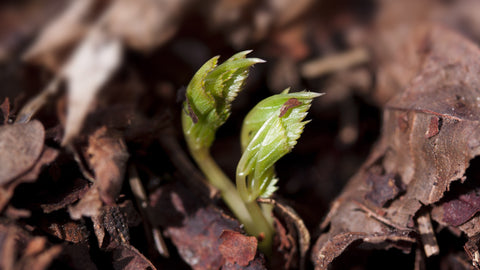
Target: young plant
269	131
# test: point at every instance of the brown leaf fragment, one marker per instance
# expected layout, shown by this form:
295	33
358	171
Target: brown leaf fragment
89	205
47	156
127	257
115	223
458	211
383	188
107	155
291	103
20	147
20	250
237	248
67	196
433	127
188	220
68	230
472	249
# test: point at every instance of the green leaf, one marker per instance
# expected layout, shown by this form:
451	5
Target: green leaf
270	130
209	96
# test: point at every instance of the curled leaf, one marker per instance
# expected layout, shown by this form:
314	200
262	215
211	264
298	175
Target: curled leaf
270	130
210	94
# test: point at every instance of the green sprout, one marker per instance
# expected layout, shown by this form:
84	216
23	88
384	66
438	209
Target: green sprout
270	130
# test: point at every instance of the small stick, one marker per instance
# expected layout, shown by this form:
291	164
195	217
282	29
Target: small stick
304	235
35	104
428	236
336	62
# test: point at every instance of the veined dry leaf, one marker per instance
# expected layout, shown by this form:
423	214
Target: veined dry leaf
20	147
430	133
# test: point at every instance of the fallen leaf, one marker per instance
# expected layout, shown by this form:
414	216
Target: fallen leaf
47	156
430	133
20	147
107	155
237	248
65	195
20	250
187	221
127	257
90	67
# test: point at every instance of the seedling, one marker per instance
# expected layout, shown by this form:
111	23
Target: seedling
270	130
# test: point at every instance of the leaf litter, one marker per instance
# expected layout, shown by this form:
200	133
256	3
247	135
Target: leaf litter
98	91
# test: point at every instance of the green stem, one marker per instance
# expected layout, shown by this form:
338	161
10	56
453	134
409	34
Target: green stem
262	227
248	213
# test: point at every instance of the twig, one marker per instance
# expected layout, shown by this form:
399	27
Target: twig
35	104
332	63
304	235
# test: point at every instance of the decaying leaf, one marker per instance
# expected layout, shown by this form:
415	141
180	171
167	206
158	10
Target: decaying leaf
192	222
430	133
20	250
127	257
47	156
97	57
107	155
20	147
237	248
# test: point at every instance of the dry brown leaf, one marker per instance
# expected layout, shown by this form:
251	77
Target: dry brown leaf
88	206
127	257
237	248
20	250
430	133
20	147
188	221
107	155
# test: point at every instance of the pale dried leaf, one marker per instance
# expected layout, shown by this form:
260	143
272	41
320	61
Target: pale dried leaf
97	57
